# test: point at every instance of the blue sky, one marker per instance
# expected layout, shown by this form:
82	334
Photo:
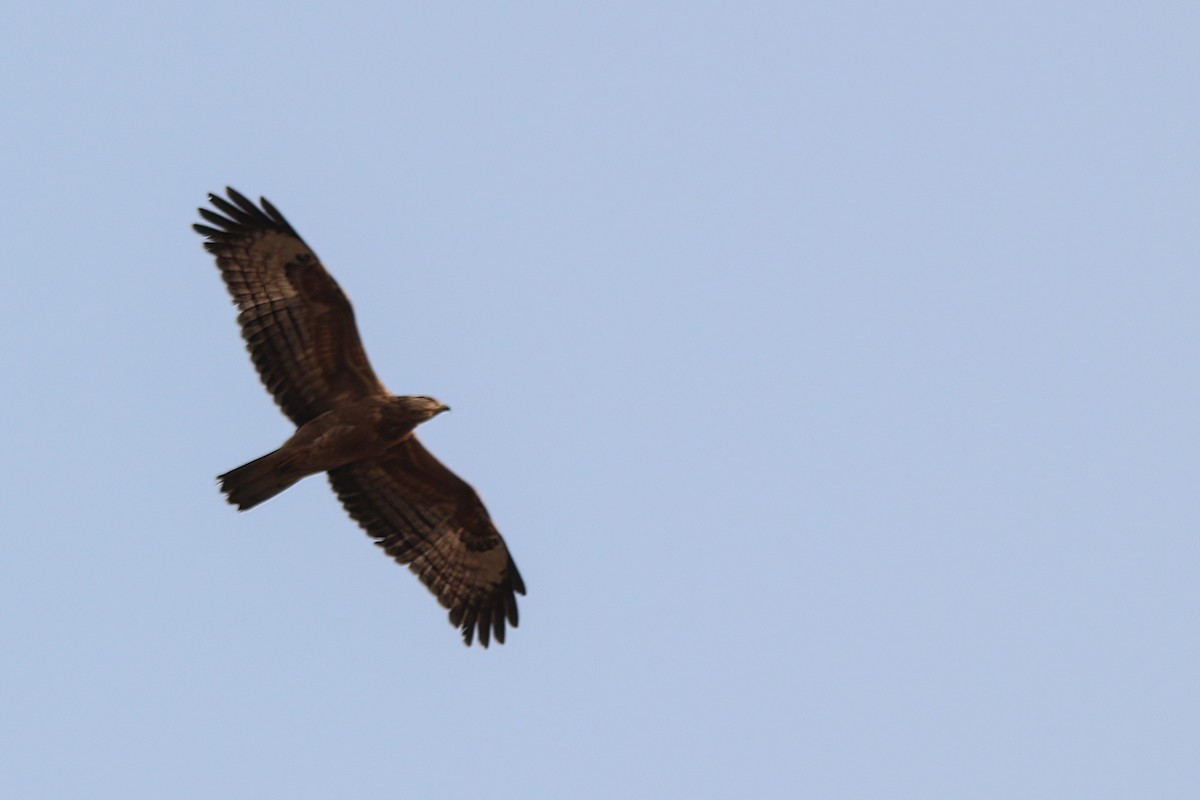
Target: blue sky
831	370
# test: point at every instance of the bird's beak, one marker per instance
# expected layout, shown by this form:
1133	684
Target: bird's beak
443	408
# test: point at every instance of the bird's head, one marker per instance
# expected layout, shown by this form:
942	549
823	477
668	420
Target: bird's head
421	408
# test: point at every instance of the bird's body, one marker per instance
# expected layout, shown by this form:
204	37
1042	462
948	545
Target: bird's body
300	331
356	431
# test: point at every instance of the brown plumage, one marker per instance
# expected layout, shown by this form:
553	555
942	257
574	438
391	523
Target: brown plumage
300	331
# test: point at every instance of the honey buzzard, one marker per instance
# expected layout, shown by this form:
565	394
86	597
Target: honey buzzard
300	331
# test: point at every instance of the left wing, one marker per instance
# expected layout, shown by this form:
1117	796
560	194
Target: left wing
298	325
425	516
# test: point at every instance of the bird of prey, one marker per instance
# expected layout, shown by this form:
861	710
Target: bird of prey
300	331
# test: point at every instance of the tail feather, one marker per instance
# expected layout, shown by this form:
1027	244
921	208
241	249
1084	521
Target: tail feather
257	481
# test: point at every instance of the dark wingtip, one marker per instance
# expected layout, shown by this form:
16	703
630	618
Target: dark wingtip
242	214
237	197
485	627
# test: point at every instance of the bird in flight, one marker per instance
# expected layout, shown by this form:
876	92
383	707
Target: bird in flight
300	331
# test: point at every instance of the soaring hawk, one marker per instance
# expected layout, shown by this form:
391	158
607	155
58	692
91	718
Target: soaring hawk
300	331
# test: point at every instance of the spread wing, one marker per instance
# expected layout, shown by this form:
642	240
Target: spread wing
427	517
298	325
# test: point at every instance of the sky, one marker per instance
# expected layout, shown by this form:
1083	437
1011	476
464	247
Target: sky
830	369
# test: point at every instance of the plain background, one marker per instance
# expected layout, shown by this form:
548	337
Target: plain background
831	369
